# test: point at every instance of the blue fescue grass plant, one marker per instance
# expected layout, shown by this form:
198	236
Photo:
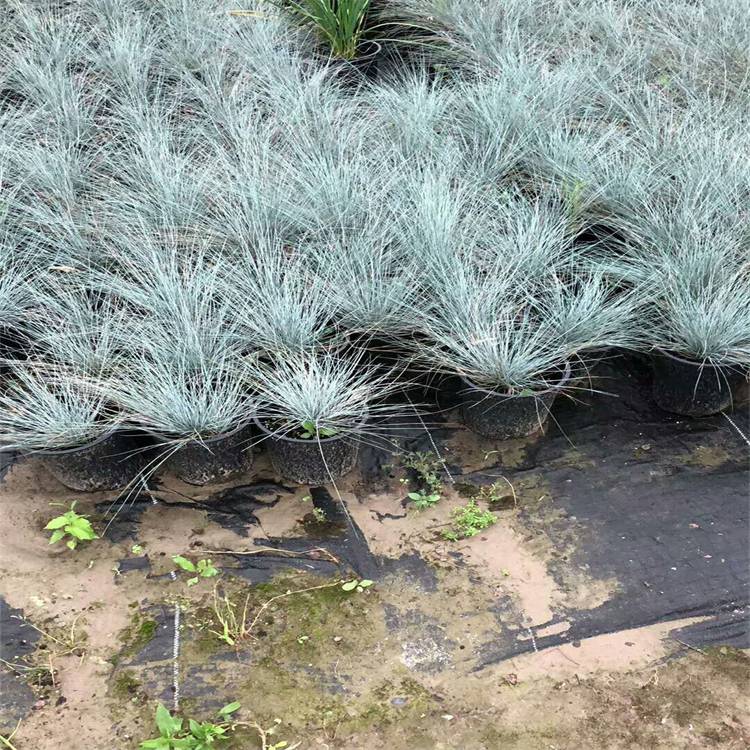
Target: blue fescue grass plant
16	289
512	319
15	298
702	48
363	272
279	303
327	393
413	111
512	341
686	243
704	317
173	298
178	401
481	34
45	407
695	291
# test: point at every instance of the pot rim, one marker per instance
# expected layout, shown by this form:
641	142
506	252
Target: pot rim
374	47
164	438
274	436
694	362
63	451
555	388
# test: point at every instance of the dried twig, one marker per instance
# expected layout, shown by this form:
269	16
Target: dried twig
687	645
308	553
286	594
250	13
264	734
6	741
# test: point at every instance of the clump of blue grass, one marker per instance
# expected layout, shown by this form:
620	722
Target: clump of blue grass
249	201
702	49
363	272
694	291
180	401
280	304
47	58
512	319
126	58
44	406
74	326
154	180
685	247
174	298
413	112
332	178
17	272
339	395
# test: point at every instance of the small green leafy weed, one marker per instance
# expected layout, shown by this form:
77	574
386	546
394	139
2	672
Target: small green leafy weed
357	585
73	525
497	492
423	500
310	430
202	569
468	521
176	734
320	515
426	466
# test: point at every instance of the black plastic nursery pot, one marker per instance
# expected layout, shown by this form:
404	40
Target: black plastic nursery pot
420	385
109	463
217	459
364	65
693	389
312	461
503	416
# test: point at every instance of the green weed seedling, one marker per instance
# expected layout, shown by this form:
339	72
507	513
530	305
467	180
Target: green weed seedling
468	522
356	585
498	494
423	500
310	430
427	467
233	624
175	735
202	569
265	737
320	515
73	525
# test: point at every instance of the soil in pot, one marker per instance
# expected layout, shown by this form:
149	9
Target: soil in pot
503	416
693	389
217	459
311	461
14	345
109	463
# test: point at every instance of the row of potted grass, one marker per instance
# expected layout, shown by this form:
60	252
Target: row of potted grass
183	340
310	411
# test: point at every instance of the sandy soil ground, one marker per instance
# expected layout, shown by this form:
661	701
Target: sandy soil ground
400	665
